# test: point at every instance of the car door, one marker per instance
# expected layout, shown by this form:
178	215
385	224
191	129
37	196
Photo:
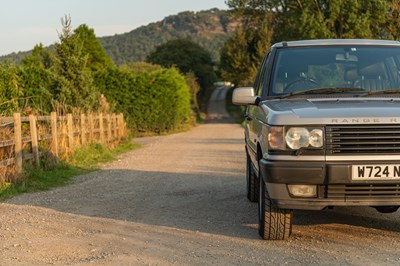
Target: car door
252	124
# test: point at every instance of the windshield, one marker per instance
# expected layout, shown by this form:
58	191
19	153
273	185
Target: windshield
369	68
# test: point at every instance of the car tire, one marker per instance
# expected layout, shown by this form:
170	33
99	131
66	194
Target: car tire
387	209
251	182
273	223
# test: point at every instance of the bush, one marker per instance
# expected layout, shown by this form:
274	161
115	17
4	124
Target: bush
10	90
153	101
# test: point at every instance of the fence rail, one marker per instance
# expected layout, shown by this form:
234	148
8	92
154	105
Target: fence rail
27	138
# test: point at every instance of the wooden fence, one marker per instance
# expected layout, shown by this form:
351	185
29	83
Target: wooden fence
27	138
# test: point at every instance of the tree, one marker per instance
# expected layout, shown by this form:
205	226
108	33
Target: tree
310	19
37	78
40	56
194	88
91	46
10	88
187	57
73	83
302	19
243	52
393	20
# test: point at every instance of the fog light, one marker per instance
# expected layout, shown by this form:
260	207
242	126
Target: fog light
303	190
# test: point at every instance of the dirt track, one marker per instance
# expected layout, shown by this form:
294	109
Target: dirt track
180	200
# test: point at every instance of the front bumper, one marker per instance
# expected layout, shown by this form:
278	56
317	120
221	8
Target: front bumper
334	183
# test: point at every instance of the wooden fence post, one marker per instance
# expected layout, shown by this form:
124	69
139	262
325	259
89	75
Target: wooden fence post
123	125
109	136
18	142
113	127
83	129
70	128
54	137
34	139
101	128
91	127
116	126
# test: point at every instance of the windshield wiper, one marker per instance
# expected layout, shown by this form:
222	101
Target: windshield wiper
380	92
322	90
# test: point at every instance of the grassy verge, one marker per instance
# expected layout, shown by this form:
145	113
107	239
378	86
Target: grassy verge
182	128
237	112
52	174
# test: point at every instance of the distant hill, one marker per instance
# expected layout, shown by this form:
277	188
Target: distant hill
210	29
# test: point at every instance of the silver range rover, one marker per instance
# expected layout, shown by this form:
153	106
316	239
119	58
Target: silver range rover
322	129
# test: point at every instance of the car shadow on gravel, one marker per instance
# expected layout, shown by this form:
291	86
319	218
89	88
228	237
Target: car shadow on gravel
210	199
365	217
206	202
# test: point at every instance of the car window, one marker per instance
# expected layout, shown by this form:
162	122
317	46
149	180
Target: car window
366	67
263	72
260	77
393	70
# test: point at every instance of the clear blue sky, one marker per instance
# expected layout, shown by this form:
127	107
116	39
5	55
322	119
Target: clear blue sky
25	23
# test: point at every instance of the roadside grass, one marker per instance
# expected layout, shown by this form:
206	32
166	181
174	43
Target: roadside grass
52	173
237	112
183	128
193	121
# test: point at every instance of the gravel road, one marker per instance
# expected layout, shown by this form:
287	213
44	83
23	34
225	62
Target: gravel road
180	200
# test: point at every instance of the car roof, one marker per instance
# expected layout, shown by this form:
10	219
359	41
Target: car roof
324	42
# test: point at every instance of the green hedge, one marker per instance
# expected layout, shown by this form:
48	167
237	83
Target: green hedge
153	101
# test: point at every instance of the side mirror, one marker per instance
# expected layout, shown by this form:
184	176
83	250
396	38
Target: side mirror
244	96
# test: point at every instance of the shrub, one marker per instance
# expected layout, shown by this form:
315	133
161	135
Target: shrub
153	101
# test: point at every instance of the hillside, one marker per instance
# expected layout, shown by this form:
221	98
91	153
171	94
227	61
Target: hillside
209	29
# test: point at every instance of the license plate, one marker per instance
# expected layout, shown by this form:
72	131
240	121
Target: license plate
376	172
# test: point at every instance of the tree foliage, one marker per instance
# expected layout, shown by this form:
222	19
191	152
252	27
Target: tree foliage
10	88
310	19
331	19
242	53
304	19
56	79
73	83
392	24
37	78
194	89
91	46
187	57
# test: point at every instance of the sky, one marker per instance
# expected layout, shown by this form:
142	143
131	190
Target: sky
25	23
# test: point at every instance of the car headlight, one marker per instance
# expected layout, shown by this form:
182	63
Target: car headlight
297	137
276	139
316	138
281	138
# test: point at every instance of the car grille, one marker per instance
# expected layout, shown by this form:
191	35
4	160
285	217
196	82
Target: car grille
363	140
360	191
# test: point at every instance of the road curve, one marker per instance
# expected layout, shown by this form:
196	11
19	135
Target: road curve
180	200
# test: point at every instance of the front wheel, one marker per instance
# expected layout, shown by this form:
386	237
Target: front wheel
387	209
273	223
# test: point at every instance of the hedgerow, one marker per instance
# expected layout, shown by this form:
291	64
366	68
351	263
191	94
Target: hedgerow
154	101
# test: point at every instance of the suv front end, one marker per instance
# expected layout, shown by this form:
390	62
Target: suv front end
323	129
